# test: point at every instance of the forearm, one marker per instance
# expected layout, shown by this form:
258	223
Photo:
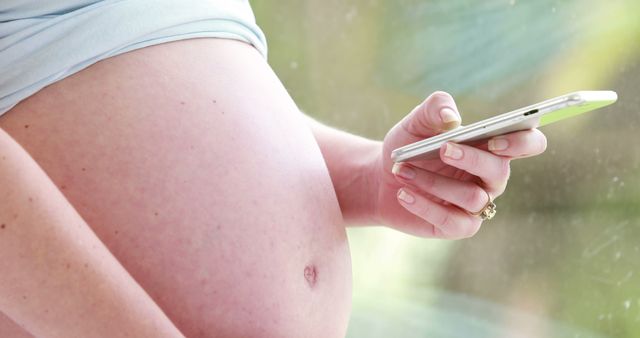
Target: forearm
57	279
350	160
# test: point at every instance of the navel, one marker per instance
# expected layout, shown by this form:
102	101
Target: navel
311	275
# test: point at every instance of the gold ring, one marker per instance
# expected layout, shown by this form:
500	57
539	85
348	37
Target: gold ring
488	211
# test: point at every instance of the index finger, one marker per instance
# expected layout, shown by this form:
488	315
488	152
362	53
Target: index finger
492	169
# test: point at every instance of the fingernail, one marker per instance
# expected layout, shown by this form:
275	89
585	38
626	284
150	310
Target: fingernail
406	197
498	143
403	171
450	118
452	151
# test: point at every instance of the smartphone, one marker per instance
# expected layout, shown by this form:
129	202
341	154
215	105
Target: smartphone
537	115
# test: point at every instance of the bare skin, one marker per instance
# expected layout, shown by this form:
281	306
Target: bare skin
58	279
193	165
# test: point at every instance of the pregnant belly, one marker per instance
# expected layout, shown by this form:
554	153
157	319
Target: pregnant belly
193	165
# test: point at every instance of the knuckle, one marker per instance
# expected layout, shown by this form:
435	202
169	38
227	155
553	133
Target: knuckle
473	159
427	182
418	121
422	118
475	199
505	169
453	227
423	210
445	221
446	234
438	233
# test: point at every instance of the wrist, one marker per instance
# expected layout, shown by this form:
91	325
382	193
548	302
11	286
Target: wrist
353	163
374	172
359	202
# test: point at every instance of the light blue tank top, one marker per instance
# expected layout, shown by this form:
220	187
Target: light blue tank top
43	41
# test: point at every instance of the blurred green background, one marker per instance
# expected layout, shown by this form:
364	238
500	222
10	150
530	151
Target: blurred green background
562	257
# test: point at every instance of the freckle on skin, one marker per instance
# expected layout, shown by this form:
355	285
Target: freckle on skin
84	169
3	226
24	297
182	102
156	213
63	187
30	199
86	265
26	126
214	101
116	232
68	266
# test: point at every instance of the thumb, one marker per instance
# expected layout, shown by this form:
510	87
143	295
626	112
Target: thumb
437	114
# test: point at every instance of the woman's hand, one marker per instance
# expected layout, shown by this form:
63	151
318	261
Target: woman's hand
436	198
